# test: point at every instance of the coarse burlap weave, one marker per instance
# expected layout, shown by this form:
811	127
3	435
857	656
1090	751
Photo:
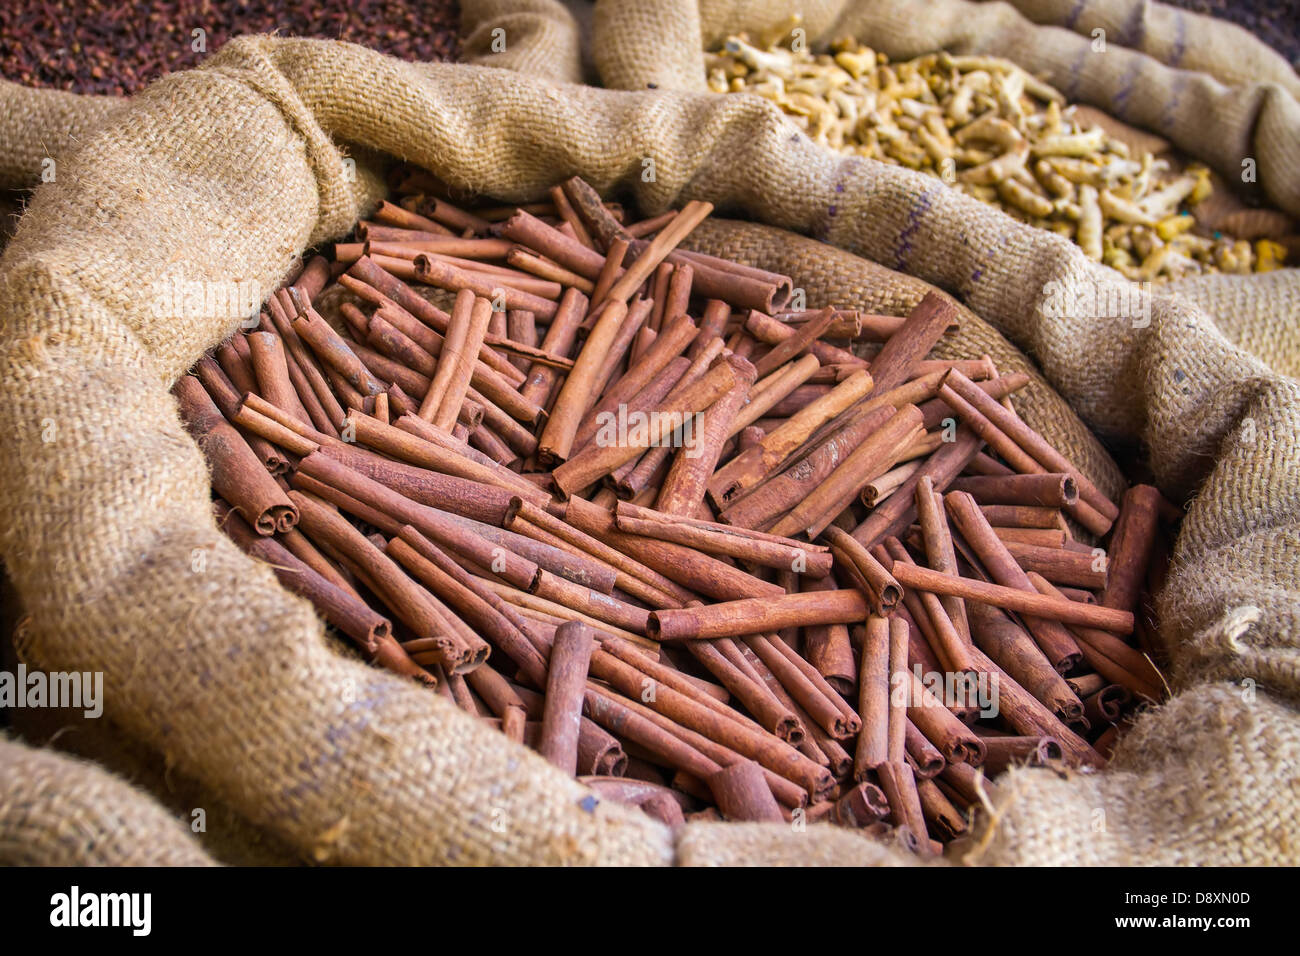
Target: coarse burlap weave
38	126
60	811
1177	38
228	171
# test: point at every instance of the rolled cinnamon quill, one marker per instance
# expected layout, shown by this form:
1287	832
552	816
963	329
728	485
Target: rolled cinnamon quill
577	392
748	469
1131	547
756	547
445	275
237	474
601	457
757	616
340	608
873	698
871	457
682	490
742	793
409	602
1014	599
1048	457
1002	567
566	679
1042	490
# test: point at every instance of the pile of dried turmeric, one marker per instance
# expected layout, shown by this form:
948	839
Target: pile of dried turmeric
993	130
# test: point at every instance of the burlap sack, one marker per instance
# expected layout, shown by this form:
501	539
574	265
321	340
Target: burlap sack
38	126
60	811
231	678
538	37
1176	37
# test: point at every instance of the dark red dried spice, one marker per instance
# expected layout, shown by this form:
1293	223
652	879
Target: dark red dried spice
95	46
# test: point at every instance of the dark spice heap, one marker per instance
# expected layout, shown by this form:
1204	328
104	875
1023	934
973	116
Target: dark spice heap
714	556
93	46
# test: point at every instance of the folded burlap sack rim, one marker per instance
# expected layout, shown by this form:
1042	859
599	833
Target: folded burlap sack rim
70	325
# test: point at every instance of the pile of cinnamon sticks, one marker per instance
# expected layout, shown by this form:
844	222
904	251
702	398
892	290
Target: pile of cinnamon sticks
717	556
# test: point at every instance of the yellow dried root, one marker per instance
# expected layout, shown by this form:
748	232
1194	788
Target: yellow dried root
998	133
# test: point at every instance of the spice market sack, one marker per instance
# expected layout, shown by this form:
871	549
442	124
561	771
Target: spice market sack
215	666
38	126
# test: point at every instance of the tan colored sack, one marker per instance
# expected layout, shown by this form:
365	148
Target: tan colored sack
537	37
59	811
1177	38
37	126
230	170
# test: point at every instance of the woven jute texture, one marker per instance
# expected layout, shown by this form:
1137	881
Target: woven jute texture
1176	37
104	498
537	37
60	811
224	834
1260	313
37	126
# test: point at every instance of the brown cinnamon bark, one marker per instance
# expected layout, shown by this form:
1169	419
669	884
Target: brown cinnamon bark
408	600
742	793
923	757
829	647
749	469
1023	660
757	616
339	607
873	699
453	278
566	678
1131	547
1031	751
1042	490
1002	567
897	511
557	439
874	455
924	326
682	490
600	458
755	547
1047	457
237	474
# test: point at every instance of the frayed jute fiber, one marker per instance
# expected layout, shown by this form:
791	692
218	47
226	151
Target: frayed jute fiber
229	171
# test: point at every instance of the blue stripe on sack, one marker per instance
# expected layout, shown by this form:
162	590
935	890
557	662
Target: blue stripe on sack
1180	39
1135	30
919	208
1121	98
